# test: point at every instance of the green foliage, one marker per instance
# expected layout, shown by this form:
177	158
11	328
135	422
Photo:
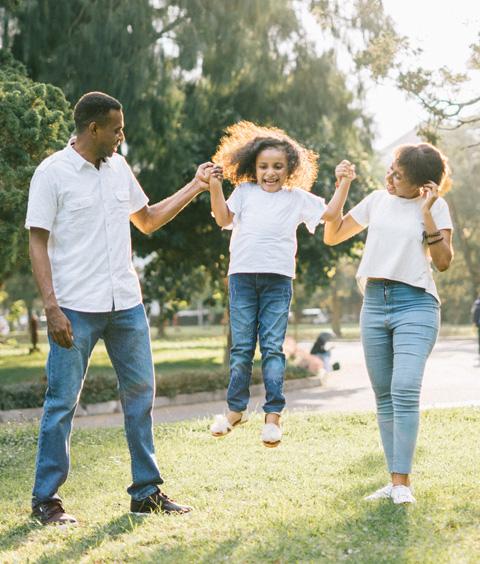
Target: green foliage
460	284
103	386
185	71
37	118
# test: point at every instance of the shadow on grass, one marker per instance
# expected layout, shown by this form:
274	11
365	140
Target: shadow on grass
14	537
377	531
360	532
78	547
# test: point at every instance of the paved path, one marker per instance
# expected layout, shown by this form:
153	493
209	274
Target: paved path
451	379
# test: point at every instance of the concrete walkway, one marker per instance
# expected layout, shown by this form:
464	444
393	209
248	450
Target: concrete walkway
451	379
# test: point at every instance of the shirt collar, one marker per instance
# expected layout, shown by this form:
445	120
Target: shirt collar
77	159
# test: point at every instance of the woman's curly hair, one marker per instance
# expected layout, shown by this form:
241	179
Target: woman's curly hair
424	162
238	150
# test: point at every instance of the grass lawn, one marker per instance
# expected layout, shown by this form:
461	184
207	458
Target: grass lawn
301	502
184	349
176	354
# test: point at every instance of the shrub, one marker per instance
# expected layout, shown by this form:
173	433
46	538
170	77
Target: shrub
103	386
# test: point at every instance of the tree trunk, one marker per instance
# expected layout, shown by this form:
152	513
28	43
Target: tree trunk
161	323
336	309
5	25
33	328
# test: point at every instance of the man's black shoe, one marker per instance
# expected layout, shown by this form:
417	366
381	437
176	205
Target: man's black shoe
156	502
52	513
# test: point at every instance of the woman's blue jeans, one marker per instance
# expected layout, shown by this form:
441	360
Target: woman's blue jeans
399	326
127	339
259	305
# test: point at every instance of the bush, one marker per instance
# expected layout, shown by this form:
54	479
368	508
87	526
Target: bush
103	386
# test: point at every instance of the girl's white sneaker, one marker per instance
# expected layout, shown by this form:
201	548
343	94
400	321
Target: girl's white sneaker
402	494
382	493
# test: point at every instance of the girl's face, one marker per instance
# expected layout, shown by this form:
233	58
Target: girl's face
398	183
271	169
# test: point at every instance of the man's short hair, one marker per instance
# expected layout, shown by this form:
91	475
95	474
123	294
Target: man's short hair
93	106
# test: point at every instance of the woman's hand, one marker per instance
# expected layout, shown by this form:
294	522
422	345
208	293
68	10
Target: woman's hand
345	169
429	194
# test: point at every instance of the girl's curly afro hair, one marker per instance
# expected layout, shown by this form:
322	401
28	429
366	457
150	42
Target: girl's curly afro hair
238	150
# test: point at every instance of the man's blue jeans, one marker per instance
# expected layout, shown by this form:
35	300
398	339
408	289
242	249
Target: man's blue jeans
399	325
259	305
127	339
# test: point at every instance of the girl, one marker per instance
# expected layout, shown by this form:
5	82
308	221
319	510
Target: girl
409	224
273	174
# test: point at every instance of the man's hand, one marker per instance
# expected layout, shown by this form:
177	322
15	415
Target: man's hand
202	176
59	327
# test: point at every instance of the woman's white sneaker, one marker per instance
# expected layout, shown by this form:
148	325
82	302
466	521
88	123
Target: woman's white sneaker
382	493
402	494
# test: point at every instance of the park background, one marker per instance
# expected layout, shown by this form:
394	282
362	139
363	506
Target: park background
344	78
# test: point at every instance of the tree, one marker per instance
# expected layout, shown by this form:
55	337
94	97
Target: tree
185	69
460	284
35	120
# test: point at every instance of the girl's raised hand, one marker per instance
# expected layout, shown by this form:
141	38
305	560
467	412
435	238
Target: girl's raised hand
217	172
216	176
429	194
345	169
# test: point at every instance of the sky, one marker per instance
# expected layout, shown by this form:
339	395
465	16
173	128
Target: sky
444	30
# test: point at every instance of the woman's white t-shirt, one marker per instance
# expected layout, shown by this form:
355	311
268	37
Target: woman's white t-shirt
264	236
395	248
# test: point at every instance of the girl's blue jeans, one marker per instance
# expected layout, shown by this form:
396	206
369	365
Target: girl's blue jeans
399	325
259	305
127	339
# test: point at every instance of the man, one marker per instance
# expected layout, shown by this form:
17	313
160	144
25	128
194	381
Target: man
81	201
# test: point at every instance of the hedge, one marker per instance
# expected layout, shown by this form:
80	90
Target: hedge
102	386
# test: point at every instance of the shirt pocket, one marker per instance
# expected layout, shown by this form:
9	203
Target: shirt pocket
122	200
80	210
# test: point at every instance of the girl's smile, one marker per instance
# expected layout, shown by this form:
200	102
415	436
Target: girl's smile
271	169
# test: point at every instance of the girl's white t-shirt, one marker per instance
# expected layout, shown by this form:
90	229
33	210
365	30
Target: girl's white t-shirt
395	248
264	236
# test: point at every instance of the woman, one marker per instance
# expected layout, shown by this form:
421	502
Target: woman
409	224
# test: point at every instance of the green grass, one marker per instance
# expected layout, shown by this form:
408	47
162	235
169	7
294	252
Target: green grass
184	349
301	502
172	355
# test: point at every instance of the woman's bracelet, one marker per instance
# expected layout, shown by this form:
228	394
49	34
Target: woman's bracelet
432	235
436	241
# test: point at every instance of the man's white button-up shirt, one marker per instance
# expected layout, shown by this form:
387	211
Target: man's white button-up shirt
87	212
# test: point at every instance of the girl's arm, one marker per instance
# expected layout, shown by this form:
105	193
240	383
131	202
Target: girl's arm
345	173
335	205
440	246
223	216
337	227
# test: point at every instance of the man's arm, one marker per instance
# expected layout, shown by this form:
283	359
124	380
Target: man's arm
151	218
58	324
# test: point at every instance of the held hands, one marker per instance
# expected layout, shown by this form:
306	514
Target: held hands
429	195
345	169
206	171
216	176
59	327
